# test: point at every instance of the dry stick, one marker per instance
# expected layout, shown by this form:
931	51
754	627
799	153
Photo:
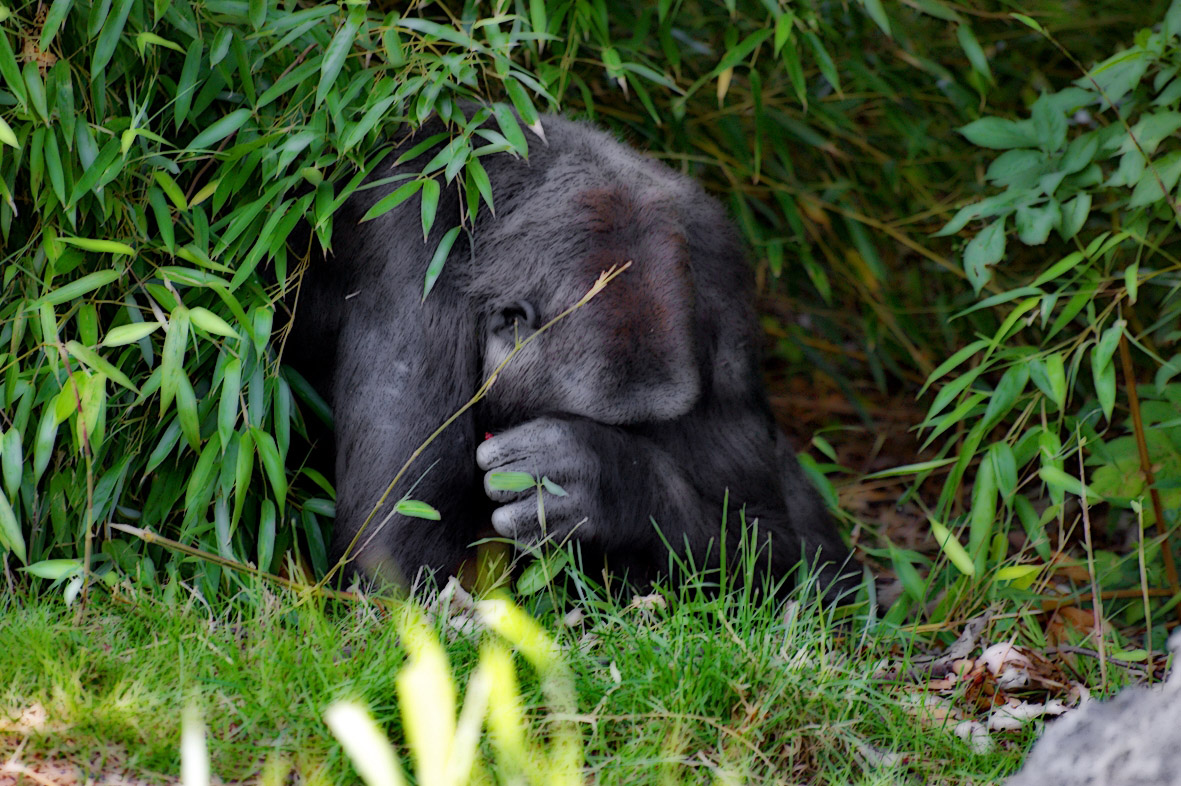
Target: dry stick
1146	467
604	279
149	537
1097	606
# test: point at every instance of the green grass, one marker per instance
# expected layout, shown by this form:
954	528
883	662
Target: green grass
696	690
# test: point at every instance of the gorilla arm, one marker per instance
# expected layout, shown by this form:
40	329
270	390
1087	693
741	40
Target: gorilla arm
402	367
620	479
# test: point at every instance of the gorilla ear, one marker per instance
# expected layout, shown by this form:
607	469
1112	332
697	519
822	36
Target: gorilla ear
519	318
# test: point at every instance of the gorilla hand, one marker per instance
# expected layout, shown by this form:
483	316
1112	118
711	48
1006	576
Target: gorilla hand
545	448
616	483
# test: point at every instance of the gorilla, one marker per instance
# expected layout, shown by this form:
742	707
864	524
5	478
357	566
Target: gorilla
645	406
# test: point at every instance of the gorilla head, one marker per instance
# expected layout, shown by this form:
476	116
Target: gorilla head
645	405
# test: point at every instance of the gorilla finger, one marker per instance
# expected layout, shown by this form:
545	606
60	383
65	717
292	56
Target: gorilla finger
518	521
519	442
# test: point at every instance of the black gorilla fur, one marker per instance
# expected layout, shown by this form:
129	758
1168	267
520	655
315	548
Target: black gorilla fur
644	405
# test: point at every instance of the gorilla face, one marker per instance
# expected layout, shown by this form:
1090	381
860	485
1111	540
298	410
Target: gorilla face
630	355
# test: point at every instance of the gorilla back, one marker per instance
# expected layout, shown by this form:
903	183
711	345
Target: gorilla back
644	406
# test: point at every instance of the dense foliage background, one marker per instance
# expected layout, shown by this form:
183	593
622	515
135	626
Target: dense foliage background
155	158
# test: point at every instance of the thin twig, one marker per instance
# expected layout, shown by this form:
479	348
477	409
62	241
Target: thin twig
1146	467
1097	606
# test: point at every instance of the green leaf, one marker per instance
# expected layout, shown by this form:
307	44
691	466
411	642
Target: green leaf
74	289
553	488
228	406
53	20
392	200
1034	223
186	88
1158	181
1056	478
1011	386
509	481
266	534
108	38
972	50
952	548
984	251
417	509
100	364
877	13
217	132
210	322
7	136
1104	378
430	204
11	537
334	56
983	514
272	463
1049	374
998	134
11	460
540	572
99	246
186	410
54	569
203	475
1105	349
438	259
959	357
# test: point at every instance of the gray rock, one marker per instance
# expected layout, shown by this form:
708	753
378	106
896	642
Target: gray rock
1132	740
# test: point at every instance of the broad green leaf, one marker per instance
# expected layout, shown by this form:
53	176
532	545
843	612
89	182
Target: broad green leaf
54	569
553	488
541	572
129	334
7	136
972	50
1011	386
272	463
1034	223
11	537
510	481
266	534
438	259
98	246
210	322
1057	478
204	474
100	364
11	460
999	134
983	513
392	200
429	206
1049	374
417	509
53	20
334	56
1103	375
952	548
1107	344
186	410
984	251
77	288
228	406
216	132
108	37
